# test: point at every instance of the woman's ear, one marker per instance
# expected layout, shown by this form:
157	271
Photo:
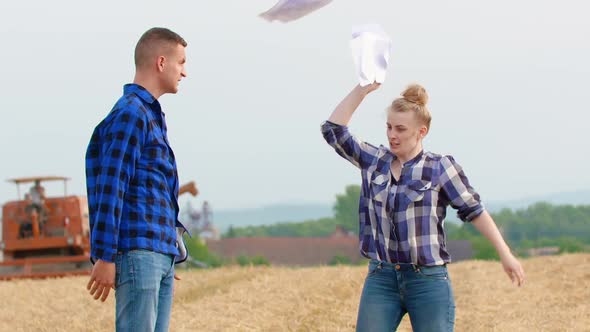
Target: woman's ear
423	131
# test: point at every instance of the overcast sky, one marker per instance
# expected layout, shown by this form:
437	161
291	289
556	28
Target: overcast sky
508	84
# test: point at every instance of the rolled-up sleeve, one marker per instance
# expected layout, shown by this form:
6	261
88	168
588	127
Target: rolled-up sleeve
455	185
349	147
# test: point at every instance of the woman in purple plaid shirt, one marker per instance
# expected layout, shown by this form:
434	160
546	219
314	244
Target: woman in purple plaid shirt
404	195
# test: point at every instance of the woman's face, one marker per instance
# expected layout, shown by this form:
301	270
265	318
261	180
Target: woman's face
404	133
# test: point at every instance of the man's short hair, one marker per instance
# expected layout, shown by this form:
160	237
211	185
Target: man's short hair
152	41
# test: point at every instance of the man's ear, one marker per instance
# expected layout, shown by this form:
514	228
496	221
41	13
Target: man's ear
160	63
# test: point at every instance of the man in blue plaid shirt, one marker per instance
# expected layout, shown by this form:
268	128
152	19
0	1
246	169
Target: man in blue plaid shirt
132	186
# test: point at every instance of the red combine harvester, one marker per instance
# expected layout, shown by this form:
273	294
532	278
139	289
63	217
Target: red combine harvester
48	236
44	236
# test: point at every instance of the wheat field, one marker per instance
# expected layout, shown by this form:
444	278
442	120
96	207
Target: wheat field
556	297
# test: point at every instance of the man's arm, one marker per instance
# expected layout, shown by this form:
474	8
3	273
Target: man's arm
120	151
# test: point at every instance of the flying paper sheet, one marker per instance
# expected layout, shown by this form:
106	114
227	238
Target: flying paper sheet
371	48
289	10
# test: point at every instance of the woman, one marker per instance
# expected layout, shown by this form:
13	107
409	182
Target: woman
404	195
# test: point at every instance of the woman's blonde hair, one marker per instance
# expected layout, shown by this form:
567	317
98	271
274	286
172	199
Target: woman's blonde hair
414	99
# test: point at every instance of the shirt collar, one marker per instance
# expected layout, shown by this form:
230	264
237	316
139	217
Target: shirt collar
411	161
140	91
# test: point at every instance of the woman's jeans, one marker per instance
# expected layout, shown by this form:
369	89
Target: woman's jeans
144	286
391	290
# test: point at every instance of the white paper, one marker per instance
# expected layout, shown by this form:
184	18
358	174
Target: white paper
289	10
371	49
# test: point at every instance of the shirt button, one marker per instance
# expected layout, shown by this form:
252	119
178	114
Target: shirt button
397	267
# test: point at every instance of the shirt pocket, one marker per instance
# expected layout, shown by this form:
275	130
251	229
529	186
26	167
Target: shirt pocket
157	156
159	167
415	191
379	188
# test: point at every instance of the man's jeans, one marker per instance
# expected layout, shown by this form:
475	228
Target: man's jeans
391	290
144	286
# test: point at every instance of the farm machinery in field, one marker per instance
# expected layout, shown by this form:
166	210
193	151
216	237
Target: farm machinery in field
48	236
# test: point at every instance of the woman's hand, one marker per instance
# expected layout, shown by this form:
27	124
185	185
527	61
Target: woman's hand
513	269
350	103
369	88
486	226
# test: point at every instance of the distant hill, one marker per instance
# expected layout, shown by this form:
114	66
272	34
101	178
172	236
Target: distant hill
581	197
273	214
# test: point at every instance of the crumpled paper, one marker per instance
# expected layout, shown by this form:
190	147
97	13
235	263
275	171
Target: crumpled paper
371	49
290	10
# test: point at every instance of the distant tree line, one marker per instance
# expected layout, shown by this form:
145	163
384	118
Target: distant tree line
309	228
345	215
539	225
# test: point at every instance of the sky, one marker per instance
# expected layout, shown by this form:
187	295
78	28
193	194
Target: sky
507	81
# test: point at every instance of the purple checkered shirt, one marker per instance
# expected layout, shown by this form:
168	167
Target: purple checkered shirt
402	221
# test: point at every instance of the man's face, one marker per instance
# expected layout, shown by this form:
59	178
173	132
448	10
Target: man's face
173	69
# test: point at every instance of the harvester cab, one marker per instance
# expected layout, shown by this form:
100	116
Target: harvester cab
44	236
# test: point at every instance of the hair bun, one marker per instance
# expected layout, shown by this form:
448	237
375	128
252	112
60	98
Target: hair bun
416	94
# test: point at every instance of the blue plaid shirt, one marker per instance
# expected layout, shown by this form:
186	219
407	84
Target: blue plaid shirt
131	179
402	221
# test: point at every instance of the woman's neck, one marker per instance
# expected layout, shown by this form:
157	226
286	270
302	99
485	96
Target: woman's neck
410	155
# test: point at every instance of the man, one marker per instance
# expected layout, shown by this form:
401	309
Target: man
36	201
132	186
37	193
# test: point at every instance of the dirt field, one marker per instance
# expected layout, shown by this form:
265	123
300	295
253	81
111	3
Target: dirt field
556	297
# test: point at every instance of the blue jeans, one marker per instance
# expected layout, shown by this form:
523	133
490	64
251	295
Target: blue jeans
143	291
392	290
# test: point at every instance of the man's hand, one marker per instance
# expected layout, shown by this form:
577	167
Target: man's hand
176	277
102	280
